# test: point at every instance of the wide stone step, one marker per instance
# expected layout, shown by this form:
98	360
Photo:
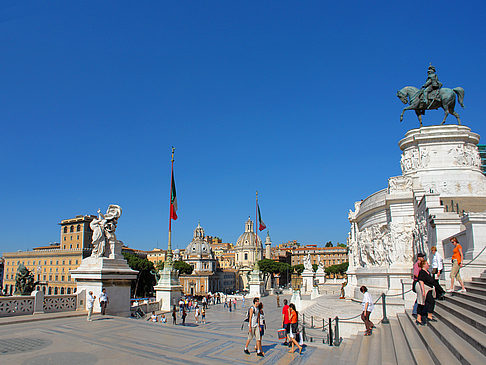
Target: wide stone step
477	284
387	346
374	355
402	352
467	303
474	336
364	350
480	279
477	298
462	349
475	290
439	352
462	313
350	356
415	345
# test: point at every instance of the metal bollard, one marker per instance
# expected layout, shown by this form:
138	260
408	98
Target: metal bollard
323	324
312	321
385	319
303	319
403	290
337	339
330	332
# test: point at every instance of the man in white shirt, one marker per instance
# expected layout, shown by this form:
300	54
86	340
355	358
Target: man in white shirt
437	263
103	301
89	304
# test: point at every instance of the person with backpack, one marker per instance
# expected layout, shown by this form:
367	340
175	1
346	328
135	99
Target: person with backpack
254	328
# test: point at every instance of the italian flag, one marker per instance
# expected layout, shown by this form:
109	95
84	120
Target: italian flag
262	225
173	199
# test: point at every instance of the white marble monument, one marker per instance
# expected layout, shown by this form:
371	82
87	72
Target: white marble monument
441	193
256	284
168	290
106	268
307	276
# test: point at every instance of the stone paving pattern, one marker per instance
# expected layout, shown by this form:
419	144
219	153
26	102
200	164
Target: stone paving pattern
114	340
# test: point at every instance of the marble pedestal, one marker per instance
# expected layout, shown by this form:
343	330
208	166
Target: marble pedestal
307	281
320	276
114	275
168	290
296	299
256	284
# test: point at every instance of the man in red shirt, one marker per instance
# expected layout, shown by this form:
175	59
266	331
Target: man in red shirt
286	321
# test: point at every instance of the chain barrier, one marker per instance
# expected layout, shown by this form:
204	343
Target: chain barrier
470	262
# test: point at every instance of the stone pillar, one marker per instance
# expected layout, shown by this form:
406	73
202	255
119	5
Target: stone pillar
256	284
320	276
168	290
38	301
307	281
114	275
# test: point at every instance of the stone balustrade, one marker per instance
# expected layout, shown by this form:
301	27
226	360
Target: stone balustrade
40	303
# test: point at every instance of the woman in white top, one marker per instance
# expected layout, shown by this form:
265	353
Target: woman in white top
367	309
437	263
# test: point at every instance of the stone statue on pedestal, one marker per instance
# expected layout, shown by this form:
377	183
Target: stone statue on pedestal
104	239
431	96
307	263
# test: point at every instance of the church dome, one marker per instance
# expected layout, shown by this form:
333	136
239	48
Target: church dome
198	246
247	239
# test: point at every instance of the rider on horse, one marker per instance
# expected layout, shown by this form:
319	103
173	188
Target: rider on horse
431	84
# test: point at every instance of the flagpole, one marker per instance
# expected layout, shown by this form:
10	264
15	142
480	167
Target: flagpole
256	229
169	246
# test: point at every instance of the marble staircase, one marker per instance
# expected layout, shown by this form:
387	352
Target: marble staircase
457	337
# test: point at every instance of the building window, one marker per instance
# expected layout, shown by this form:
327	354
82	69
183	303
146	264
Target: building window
64	238
44	277
63	262
71	246
62	277
77	246
57	277
72	229
45	262
71	238
78	237
65	229
50	277
78	228
69	262
57	262
76	262
246	256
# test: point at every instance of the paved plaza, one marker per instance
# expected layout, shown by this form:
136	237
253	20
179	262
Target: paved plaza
115	340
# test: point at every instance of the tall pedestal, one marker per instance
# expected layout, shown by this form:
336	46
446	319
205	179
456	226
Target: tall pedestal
114	275
256	284
168	290
320	276
307	281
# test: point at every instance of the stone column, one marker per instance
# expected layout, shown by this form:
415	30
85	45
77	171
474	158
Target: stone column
168	290
307	281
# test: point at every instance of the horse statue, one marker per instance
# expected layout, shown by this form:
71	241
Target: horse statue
446	98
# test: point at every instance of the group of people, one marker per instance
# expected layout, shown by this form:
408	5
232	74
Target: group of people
90	300
199	313
155	318
426	281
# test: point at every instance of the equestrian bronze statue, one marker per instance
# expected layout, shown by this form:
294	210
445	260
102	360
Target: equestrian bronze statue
431	96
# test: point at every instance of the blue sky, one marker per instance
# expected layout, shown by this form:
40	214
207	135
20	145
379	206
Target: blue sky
293	99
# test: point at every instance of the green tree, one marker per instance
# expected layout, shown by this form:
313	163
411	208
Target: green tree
341	245
183	267
315	267
144	285
329	244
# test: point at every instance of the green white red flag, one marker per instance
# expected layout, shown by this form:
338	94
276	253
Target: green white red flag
262	225
173	199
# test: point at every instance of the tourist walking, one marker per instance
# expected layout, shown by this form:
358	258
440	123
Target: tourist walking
243	300
234	303
103	301
196	313
286	322
294	328
367	305
229	304
262	324
184	315
457	259
425	295
89	304
254	328
174	315
203	315
416	270
278	301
